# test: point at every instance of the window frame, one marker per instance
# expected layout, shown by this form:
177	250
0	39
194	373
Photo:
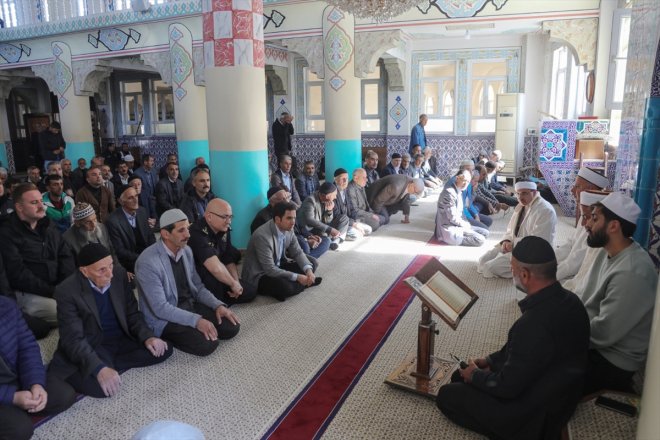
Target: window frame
150	121
574	102
613	72
382	100
439	80
487	79
308	117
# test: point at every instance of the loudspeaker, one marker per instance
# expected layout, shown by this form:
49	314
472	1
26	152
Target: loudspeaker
140	5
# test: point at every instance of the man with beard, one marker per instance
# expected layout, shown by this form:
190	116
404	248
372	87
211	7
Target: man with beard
216	259
533	216
308	182
86	229
194	203
97	195
450	226
35	255
531	386
129	229
371	167
619	296
175	303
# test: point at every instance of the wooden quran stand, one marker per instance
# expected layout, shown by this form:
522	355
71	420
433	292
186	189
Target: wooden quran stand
425	373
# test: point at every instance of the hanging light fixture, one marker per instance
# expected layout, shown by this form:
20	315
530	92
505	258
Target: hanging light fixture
377	10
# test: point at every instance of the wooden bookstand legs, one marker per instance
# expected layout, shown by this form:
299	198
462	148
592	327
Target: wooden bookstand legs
425	373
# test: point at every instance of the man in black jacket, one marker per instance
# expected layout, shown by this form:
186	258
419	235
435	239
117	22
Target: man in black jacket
530	388
35	255
169	190
101	329
282	131
51	143
129	230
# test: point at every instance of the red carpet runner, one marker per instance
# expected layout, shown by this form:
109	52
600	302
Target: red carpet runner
313	409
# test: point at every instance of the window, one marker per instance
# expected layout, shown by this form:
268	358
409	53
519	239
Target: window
617	72
567	91
373	101
438	97
162	103
147	107
314	118
488	80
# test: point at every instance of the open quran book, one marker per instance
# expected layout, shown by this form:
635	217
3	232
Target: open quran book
446	295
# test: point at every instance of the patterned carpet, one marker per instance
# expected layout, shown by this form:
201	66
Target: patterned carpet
242	389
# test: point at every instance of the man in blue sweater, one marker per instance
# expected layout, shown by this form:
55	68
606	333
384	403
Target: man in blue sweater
24	387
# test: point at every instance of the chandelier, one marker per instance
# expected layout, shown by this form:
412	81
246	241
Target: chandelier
377	10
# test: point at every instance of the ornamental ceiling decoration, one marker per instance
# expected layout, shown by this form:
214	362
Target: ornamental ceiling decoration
275	17
338	48
113	38
12	53
460	8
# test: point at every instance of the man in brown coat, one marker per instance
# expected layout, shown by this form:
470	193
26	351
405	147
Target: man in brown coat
97	195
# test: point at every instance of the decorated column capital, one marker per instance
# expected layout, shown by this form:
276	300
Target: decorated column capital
581	34
88	75
369	46
161	62
311	48
396	73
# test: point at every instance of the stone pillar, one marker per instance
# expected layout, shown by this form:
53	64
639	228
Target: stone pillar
649	423
191	126
236	107
342	94
74	110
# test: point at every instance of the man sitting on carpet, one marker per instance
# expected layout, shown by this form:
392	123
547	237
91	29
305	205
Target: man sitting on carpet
25	389
450	226
343	206
283	177
571	253
175	303
86	229
530	388
215	257
533	216
267	269
102	331
318	218
619	296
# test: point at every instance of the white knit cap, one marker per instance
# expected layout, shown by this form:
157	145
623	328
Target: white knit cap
588	198
525	185
129	158
623	206
594	177
171	216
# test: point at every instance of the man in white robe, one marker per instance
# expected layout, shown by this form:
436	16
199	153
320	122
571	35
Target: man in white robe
571	253
583	257
533	216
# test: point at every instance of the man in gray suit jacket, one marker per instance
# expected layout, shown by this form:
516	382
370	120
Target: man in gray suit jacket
173	299
101	329
391	193
266	269
317	217
450	226
358	199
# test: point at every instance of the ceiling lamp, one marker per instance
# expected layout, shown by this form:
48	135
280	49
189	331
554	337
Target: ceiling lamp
377	10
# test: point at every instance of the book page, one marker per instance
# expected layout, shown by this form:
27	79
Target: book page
437	303
449	292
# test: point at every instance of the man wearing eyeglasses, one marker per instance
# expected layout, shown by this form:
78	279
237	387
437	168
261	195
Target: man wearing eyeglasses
216	258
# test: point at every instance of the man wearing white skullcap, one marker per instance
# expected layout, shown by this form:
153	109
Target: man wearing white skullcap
619	296
533	216
572	258
586	180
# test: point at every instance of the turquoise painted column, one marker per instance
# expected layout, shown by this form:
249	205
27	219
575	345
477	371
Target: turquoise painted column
236	107
191	129
647	174
74	110
342	93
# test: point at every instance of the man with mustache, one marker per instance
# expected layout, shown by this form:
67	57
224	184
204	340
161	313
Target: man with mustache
619	296
129	229
36	256
194	203
175	303
86	229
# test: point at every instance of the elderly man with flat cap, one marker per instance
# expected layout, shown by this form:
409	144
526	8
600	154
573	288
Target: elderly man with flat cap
533	216
531	386
102	331
173	299
571	253
619	296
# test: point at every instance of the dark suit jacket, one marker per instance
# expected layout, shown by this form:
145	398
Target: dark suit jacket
119	187
168	197
389	170
276	180
282	137
123	239
80	324
387	191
